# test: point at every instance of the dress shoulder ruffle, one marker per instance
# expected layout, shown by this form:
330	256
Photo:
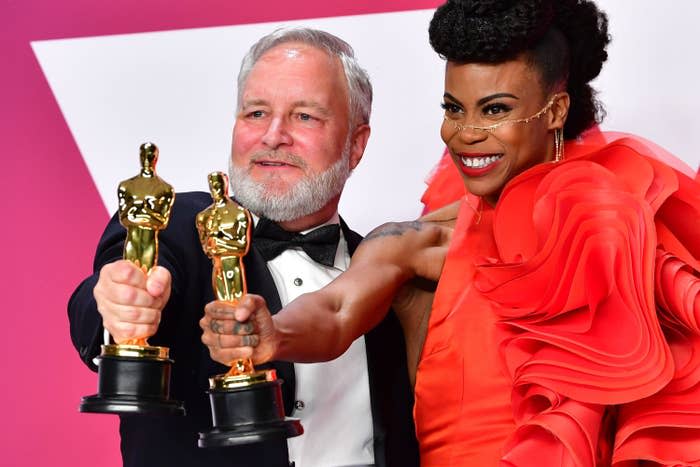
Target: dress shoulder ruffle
598	304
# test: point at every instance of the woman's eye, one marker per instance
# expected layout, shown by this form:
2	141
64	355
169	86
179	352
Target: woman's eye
450	108
495	109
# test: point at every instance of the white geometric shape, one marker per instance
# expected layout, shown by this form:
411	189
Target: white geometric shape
177	89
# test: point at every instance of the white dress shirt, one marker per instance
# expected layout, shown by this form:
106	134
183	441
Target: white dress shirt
332	398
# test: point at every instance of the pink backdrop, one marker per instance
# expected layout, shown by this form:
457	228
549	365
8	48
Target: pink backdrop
54	216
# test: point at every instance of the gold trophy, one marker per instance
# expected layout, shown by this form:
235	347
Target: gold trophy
246	404
133	376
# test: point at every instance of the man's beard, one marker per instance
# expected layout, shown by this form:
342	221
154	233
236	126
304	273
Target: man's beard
305	197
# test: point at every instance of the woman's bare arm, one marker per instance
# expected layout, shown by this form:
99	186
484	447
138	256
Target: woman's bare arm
321	325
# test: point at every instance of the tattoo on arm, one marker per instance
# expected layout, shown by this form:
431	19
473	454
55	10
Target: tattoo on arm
394	229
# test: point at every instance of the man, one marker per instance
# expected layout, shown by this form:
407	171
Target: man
302	126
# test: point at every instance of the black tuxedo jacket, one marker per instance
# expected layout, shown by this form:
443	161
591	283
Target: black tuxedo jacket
172	441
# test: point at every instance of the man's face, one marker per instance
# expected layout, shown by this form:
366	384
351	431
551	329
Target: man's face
292	127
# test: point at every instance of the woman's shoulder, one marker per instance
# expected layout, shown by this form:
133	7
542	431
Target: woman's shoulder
576	282
607	162
445	215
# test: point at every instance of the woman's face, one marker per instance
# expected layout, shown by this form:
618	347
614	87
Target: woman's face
478	94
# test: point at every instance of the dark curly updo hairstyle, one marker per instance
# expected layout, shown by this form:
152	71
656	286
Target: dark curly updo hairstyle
565	40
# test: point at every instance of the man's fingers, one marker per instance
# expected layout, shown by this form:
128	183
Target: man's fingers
220	326
124	272
227	341
240	311
233	331
124	323
220	310
122	283
127	295
248	305
250	341
158	282
122	332
135	315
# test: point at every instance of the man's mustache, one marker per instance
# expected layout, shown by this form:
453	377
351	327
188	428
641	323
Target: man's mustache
279	156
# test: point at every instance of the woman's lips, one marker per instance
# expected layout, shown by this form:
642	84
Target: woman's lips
477	164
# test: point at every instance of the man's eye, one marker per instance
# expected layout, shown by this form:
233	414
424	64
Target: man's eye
450	108
304	117
256	114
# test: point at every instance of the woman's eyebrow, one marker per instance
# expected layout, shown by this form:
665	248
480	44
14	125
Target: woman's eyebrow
484	100
452	98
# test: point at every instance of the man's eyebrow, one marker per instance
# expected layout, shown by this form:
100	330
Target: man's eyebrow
250	102
321	109
313	105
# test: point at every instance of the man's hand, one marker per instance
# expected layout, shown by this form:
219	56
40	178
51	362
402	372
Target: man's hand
242	330
129	301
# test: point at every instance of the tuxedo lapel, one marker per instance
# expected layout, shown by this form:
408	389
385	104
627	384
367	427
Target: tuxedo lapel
377	383
259	279
260	282
352	238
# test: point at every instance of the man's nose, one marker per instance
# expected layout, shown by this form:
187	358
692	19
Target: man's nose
277	134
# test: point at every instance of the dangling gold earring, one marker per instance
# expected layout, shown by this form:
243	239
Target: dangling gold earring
558	145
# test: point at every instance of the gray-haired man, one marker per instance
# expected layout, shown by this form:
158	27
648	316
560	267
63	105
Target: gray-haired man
301	128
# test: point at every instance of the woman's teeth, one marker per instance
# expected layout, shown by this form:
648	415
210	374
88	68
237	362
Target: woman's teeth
479	162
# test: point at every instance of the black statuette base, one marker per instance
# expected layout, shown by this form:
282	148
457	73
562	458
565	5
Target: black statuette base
249	414
133	385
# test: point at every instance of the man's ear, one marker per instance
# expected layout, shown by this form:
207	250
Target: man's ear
360	136
559	111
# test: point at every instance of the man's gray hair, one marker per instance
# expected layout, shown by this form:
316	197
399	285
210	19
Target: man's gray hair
359	86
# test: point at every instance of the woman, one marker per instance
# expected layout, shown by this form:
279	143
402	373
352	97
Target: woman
563	329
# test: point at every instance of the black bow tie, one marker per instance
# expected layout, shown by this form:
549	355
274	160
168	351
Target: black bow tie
320	244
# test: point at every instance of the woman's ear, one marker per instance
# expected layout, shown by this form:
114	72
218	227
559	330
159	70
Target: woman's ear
559	110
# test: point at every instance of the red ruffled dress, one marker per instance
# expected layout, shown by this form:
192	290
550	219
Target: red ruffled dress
566	325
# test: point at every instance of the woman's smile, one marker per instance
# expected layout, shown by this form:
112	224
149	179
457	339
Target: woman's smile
477	164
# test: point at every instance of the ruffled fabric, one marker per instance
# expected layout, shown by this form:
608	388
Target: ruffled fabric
665	427
445	185
595	288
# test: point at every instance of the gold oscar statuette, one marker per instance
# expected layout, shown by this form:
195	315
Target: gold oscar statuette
145	202
133	376
246	405
224	231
